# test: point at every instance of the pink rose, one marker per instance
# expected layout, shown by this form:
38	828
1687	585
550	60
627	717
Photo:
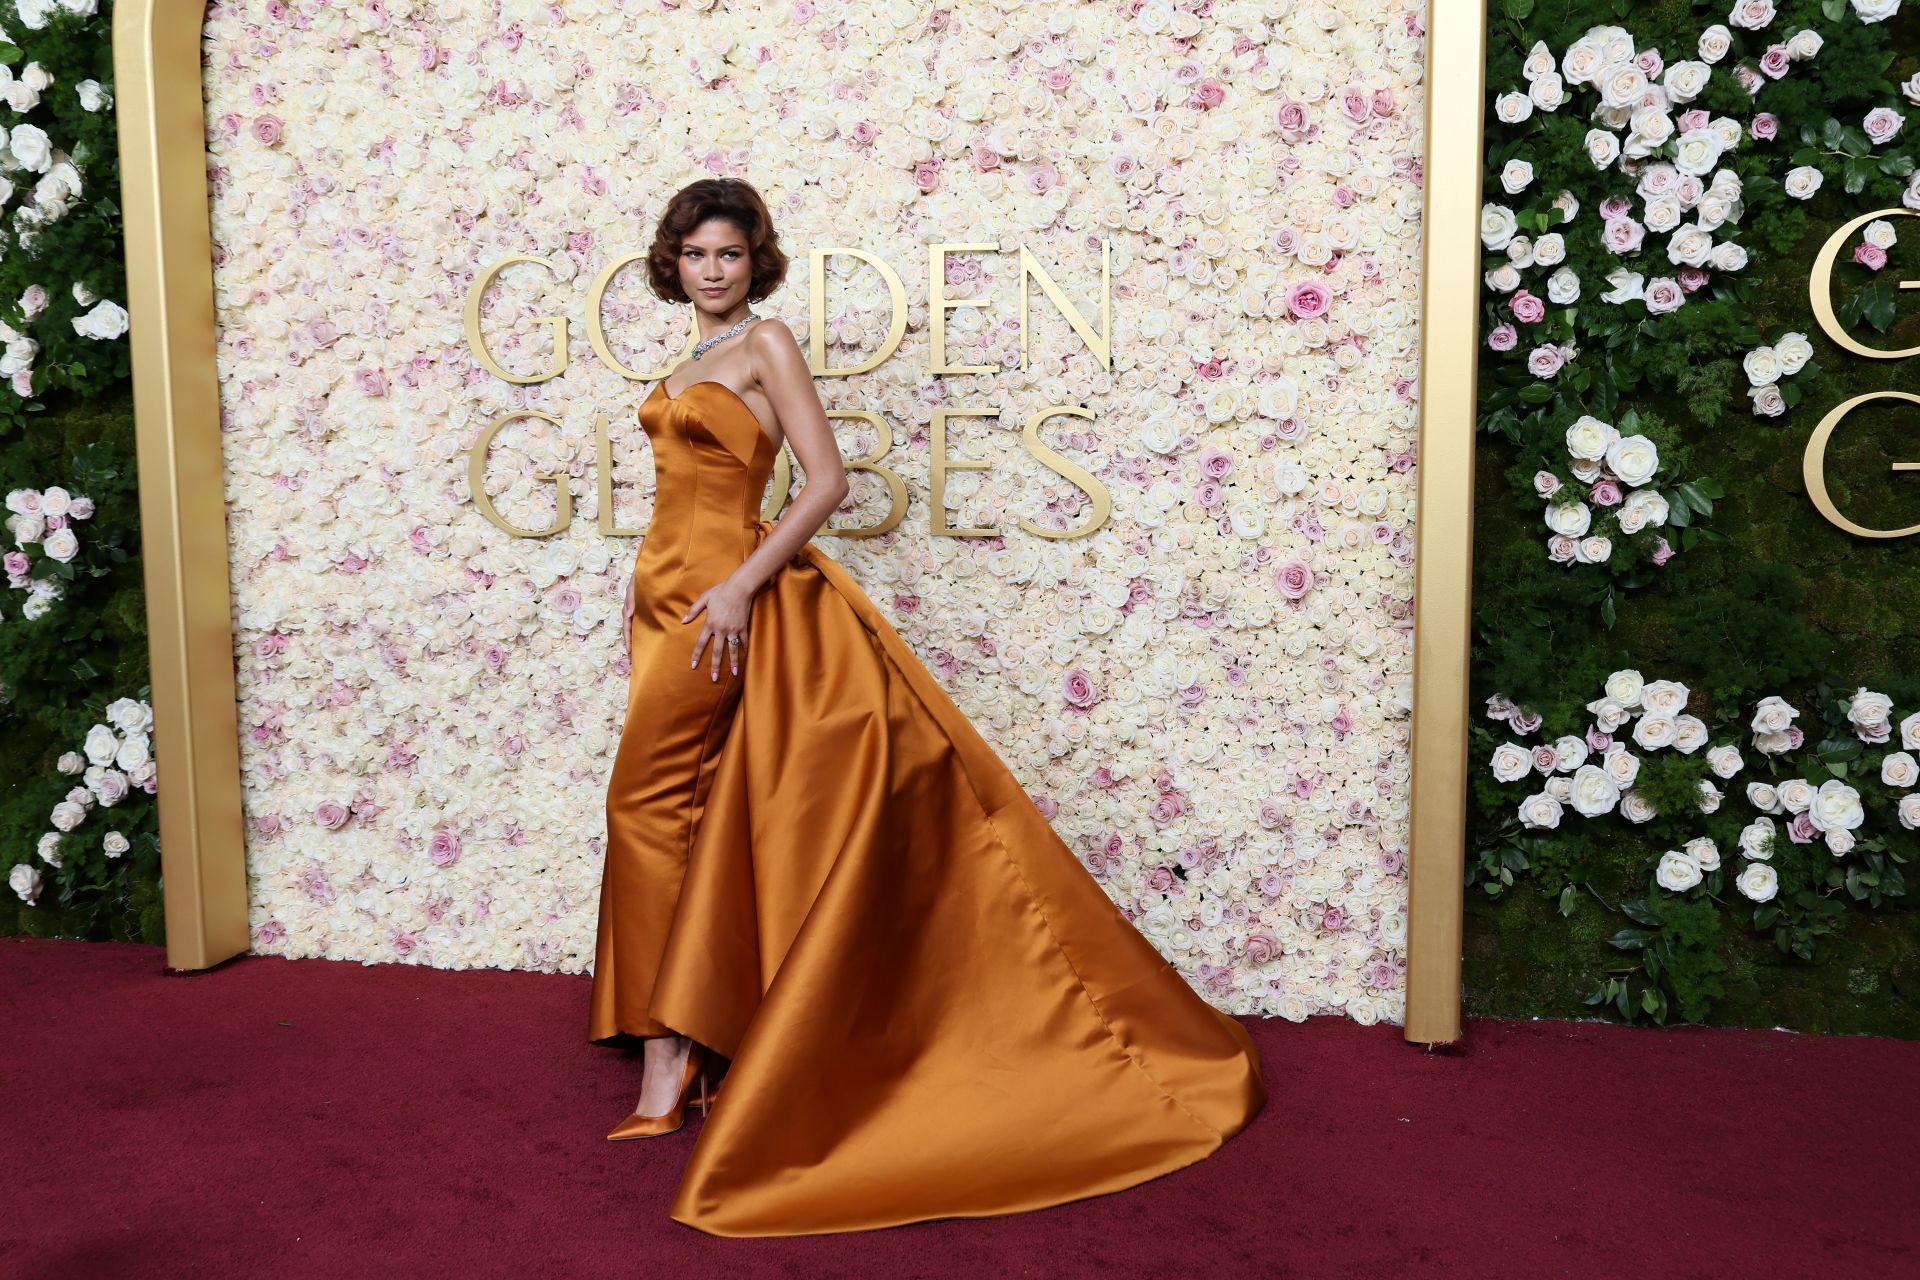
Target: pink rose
444	848
1079	689
1544	759
331	814
1774	62
1597	741
1545	483
266	129
1332	918
1606	493
1871	256
1161	879
1291	119
1504	337
1309	299
1615	207
1545	361
1623	235
1801	829
1262	947
1527	308
1295	579
1356	103
1661	552
1881	124
1764	127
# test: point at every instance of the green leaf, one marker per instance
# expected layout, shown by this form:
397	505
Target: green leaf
1630	939
1568	896
1636	909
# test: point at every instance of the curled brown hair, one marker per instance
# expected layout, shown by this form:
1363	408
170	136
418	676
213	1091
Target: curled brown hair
732	200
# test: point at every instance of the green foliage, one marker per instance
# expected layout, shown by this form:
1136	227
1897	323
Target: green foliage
1770	599
72	430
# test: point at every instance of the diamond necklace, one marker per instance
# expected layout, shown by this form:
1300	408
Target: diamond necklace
700	348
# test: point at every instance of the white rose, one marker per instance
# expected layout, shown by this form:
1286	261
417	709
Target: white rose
61	545
1512	108
1725	760
108	319
1689	734
1685	81
1602	147
1762	366
115	844
1569	752
1621	765
1516	177
1540	810
1773	714
101	745
1511	762
1677	871
1593	792
1666	697
1758	881
1497	226
1793	351
1757	837
1625	687
1653	731
1590	438
1795	794
25	880
1570	519
1910	811
1764	797
1802	182
1710	797
1634	459
1899	770
1635	807
1839	842
1563	287
1704	852
1910	732
1608	714
1835	806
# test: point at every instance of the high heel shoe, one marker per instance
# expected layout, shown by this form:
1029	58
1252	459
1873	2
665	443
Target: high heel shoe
639	1126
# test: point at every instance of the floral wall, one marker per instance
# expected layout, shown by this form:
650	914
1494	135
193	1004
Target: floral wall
1208	696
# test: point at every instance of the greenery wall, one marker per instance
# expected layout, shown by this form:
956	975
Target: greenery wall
72	625
1765	597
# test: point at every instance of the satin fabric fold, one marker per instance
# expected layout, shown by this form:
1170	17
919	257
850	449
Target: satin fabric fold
931	1008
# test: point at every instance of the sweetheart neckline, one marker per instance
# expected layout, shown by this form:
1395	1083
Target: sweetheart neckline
671	398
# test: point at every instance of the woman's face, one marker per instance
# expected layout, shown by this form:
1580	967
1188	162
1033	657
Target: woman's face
715	266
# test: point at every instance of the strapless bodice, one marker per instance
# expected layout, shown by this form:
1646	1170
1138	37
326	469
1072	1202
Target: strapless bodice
711	463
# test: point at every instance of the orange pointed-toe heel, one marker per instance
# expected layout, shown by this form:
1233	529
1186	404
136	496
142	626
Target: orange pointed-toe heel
639	1126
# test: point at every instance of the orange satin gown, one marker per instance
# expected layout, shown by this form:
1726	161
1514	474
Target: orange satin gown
821	871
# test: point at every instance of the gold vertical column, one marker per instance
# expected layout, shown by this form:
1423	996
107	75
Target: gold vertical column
1443	529
161	118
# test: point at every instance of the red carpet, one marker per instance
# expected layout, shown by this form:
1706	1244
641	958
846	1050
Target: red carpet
317	1118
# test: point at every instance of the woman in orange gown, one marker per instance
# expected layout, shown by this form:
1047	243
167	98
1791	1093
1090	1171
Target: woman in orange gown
820	873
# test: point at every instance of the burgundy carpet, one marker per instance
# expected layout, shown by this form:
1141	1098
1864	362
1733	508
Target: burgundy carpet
305	1118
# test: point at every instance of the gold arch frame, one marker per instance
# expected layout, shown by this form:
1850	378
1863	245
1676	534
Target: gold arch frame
161	118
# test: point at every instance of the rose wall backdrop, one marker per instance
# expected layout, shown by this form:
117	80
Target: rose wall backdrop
1209	696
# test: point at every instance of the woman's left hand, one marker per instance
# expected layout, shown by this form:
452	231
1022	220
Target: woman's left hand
728	607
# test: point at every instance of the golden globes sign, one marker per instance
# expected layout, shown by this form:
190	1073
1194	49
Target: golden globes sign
1225	491
1813	467
1098	341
